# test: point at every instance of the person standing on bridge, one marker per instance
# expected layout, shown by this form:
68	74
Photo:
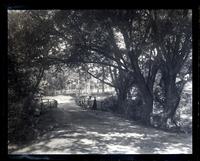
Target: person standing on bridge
94	107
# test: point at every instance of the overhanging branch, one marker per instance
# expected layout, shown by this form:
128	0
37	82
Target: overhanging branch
99	79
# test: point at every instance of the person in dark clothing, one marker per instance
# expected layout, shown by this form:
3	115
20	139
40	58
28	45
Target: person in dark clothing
94	107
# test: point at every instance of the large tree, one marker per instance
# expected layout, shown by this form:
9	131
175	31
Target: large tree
174	43
29	43
96	40
133	45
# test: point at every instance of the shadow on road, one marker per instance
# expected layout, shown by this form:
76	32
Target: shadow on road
89	132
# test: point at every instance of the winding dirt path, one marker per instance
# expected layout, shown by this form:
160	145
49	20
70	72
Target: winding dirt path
94	132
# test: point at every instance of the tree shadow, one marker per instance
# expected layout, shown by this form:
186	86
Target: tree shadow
91	132
112	135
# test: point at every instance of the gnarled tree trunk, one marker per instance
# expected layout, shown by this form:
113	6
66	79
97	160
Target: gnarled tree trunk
172	99
147	106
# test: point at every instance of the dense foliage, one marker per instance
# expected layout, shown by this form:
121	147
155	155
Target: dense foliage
146	54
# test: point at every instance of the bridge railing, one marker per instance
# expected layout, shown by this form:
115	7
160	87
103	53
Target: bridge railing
45	105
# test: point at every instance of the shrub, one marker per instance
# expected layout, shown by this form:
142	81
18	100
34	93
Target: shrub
109	104
20	123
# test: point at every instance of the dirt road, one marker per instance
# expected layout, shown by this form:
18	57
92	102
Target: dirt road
87	132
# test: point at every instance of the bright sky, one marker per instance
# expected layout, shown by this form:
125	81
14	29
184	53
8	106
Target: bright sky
120	39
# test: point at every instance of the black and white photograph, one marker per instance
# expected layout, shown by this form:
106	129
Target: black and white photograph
108	81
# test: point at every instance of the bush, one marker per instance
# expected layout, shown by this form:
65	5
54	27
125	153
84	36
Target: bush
109	104
133	109
20	123
22	119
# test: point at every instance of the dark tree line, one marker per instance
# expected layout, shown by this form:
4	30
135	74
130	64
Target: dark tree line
132	47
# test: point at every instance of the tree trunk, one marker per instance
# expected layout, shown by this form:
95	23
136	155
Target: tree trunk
103	70
172	99
147	107
122	98
146	90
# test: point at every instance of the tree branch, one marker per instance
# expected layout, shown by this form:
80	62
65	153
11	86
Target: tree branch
99	78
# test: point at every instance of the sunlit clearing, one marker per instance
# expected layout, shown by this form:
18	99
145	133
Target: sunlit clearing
57	142
87	141
109	135
123	149
60	98
174	149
